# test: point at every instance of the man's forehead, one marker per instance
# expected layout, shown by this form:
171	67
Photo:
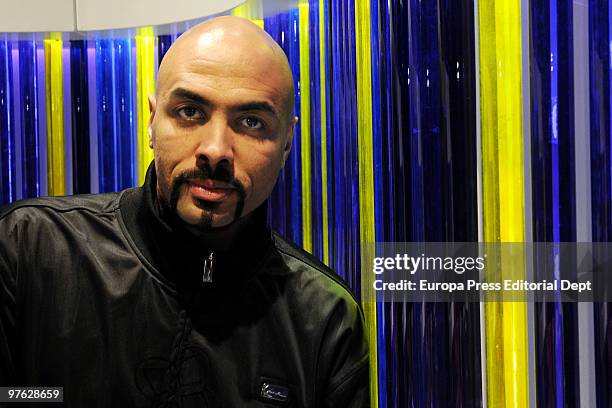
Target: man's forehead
219	57
222	83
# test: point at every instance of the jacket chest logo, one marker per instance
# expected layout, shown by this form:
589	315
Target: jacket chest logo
271	392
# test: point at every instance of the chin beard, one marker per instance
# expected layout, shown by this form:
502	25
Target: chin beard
208	208
206	220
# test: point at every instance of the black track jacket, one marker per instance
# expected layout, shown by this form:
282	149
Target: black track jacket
103	296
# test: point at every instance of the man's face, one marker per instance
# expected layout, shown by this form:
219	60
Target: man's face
221	134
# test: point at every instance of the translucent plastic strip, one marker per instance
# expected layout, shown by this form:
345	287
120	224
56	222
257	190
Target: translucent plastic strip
163	43
345	257
458	123
316	172
392	210
427	198
67	125
28	110
107	126
377	42
56	166
124	113
582	145
600	63
323	85
284	204
7	132
17	123
278	218
145	82
553	180
93	116
81	175
503	192
251	9
366	167
41	98
304	90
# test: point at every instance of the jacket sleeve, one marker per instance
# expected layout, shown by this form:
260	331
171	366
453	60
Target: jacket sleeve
346	349
8	299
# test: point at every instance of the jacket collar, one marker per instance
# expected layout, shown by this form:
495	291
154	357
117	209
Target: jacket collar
177	254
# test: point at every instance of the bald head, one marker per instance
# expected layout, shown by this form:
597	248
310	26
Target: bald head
237	44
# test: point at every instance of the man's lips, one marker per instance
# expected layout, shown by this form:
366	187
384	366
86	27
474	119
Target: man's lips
210	190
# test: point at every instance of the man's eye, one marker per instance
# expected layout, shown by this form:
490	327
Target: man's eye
189	113
252	123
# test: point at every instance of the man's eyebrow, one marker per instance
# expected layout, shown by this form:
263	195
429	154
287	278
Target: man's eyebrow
256	106
185	94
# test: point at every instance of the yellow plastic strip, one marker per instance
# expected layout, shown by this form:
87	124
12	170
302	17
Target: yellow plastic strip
365	143
56	168
251	9
323	121
503	193
145	82
305	125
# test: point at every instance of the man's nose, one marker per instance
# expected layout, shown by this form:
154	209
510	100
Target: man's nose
215	144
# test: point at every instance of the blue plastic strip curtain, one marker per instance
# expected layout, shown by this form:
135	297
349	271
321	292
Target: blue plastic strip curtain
343	170
315	130
115	114
458	100
163	43
7	118
106	131
378	58
553	197
92	68
125	121
284	204
41	113
600	35
67	109
423	63
29	141
79	90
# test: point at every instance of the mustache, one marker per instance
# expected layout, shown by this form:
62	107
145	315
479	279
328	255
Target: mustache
203	173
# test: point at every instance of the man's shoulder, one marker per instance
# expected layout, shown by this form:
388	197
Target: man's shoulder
313	277
91	203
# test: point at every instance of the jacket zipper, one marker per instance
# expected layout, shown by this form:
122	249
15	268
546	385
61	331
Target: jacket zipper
207	273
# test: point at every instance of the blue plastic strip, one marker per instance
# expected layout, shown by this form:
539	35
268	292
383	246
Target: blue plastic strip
315	130
285	202
28	81
457	99
93	116
163	43
16	93
343	106
81	174
600	63
7	133
124	112
41	113
107	130
431	386
67	106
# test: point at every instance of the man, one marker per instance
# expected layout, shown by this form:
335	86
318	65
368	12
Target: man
176	294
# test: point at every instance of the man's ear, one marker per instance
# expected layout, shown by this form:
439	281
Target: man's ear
152	105
289	141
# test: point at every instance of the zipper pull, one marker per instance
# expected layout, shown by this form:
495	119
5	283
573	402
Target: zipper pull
207	273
